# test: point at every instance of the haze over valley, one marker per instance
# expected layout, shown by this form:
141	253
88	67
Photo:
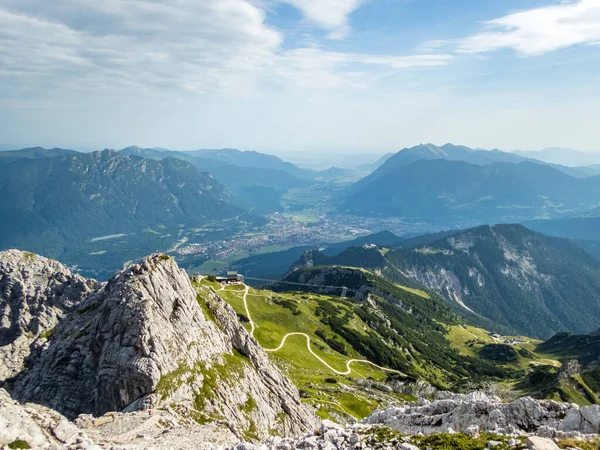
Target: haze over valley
99	210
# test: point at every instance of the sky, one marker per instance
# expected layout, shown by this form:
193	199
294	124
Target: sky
351	76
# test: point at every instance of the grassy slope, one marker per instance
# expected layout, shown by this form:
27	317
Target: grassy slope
274	321
333	393
277	314
535	358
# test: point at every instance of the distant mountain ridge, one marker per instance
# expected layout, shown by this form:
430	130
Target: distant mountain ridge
257	180
371	167
53	203
451	152
33	153
456	193
209	159
586	228
563	156
514	279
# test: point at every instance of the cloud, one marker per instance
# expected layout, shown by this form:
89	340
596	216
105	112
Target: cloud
540	30
314	67
168	47
196	46
331	15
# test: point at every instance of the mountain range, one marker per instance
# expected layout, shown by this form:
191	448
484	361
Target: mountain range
257	180
504	277
209	159
451	152
470	186
33	153
54	204
450	193
446	187
562	156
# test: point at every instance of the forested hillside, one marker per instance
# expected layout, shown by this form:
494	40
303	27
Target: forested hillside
505	277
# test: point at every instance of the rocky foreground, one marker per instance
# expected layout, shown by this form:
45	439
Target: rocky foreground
140	363
35	426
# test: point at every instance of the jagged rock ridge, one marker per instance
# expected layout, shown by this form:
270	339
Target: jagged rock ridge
546	422
35	293
505	277
142	340
521	280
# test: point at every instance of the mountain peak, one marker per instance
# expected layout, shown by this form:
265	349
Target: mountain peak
499	271
145	339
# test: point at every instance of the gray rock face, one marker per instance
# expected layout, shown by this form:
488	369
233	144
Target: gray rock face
143	340
41	427
36	425
35	293
481	412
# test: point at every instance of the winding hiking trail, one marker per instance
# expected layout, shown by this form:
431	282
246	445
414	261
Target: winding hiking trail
308	347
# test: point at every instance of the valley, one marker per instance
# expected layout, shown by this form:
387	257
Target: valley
283	231
344	313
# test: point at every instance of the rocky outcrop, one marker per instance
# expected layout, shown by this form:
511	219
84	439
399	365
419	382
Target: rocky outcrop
35	293
169	428
143	340
329	280
34	426
478	412
331	436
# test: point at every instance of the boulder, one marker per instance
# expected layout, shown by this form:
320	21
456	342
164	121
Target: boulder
541	443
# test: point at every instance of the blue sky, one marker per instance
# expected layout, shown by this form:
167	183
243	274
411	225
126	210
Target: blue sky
303	75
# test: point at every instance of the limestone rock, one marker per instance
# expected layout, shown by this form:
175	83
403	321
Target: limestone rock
36	425
142	340
41	427
479	412
35	293
17	425
541	443
407	446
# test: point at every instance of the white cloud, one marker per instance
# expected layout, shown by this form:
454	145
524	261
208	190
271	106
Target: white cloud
197	46
329	14
539	30
167	47
314	67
